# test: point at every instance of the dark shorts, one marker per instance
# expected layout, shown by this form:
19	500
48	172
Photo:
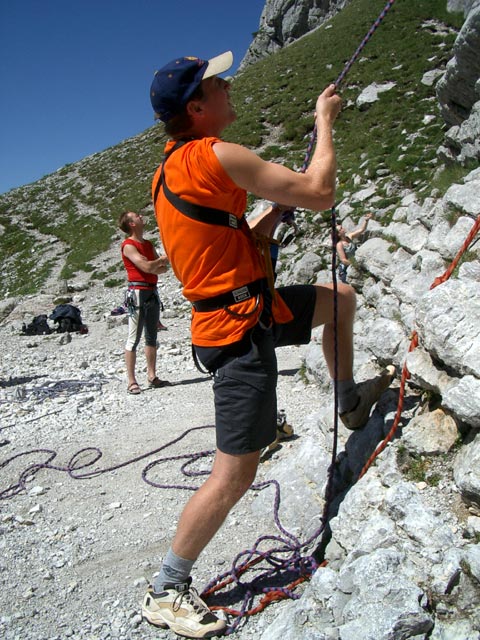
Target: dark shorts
245	376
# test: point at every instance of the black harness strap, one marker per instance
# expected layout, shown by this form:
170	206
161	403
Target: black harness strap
145	285
224	300
207	215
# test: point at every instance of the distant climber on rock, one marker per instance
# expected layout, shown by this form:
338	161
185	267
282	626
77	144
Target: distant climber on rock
143	265
346	246
238	317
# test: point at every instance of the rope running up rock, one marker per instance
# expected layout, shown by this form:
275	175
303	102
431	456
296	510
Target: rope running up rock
413	345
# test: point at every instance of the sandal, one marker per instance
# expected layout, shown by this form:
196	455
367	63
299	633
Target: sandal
134	389
156	383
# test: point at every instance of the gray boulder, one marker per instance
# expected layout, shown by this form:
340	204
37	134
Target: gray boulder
456	90
447	319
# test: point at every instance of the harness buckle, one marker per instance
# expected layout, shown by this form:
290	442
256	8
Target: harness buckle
232	221
241	294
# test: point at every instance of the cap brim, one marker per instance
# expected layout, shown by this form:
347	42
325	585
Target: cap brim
219	64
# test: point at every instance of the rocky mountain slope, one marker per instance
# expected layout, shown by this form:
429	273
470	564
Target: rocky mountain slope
402	542
284	21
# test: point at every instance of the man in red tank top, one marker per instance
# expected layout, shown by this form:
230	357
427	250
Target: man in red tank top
143	265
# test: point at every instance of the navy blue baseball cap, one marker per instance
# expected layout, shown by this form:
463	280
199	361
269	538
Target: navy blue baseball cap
175	83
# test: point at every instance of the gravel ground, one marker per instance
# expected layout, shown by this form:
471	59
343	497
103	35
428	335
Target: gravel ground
76	554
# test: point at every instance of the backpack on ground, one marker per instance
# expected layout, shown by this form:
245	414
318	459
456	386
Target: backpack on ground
37	327
68	318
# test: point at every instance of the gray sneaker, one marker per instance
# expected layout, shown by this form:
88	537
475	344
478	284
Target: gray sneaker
180	608
368	394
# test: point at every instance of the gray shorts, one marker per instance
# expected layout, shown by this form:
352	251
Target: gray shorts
245	376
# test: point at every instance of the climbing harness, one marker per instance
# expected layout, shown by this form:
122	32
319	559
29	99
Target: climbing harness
130	298
209	215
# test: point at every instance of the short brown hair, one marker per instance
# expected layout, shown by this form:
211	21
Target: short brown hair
181	124
124	221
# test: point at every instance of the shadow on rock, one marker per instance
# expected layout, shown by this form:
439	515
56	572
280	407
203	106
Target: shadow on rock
359	448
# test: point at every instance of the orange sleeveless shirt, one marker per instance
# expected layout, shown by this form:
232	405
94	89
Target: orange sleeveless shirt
208	259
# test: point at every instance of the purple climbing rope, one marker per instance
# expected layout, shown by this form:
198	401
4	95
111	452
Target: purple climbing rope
343	74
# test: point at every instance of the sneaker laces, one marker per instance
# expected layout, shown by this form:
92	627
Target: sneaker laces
193	599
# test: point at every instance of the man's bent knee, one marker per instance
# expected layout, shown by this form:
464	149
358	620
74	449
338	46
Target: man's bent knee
346	303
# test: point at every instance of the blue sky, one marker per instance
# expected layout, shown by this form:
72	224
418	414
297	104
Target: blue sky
75	76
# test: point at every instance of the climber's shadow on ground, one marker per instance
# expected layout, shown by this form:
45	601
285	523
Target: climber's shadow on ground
187	381
207	377
234	594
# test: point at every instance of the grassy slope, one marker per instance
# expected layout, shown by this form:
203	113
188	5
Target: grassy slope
78	205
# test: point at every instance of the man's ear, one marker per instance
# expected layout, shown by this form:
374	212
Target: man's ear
194	108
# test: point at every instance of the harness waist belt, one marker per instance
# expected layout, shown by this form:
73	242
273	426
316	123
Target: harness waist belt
223	300
146	285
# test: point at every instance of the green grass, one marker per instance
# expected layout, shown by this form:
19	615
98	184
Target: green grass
450	174
417	468
401	51
79	204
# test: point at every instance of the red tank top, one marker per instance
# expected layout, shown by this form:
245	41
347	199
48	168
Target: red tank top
134	274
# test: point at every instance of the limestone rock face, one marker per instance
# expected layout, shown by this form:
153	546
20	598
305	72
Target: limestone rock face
284	21
458	91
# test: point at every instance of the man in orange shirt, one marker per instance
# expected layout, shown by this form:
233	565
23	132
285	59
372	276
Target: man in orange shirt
143	265
238	317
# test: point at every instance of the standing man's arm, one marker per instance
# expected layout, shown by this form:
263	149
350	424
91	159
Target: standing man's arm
157	266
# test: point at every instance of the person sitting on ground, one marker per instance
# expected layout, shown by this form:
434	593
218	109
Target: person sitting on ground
238	317
346	247
143	264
